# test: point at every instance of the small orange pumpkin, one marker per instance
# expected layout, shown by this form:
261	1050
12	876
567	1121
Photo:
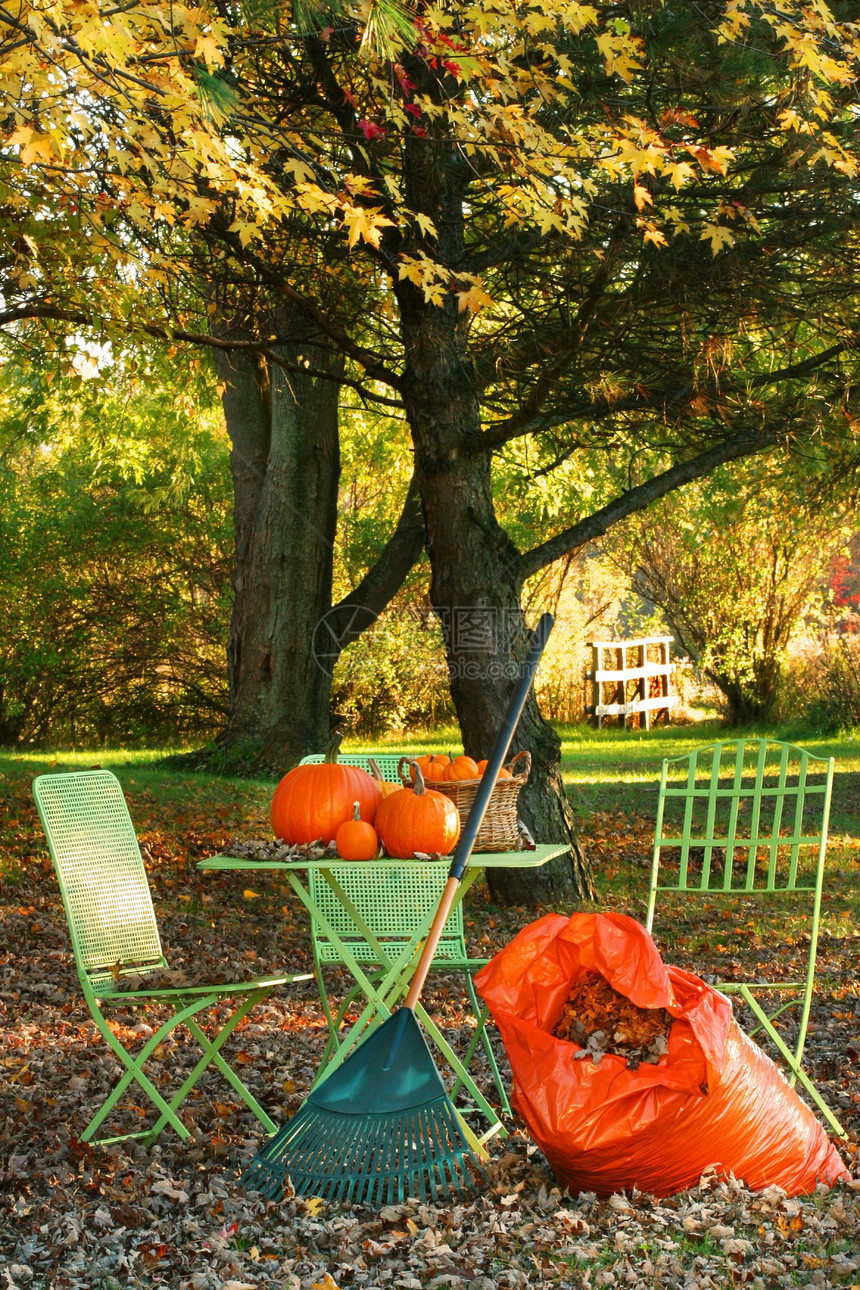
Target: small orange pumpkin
418	819
462	767
432	766
356	840
313	801
385	785
504	773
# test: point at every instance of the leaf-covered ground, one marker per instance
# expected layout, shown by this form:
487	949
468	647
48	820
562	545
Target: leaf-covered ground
173	1214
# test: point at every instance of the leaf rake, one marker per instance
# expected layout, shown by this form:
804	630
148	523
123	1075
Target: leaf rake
381	1127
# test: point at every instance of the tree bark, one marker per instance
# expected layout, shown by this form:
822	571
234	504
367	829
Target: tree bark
477	593
285	634
285	463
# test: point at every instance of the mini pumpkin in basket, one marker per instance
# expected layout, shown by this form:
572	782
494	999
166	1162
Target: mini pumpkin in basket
499	829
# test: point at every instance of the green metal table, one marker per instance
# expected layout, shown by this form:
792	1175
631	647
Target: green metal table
338	923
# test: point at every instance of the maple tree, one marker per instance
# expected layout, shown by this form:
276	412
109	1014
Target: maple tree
614	227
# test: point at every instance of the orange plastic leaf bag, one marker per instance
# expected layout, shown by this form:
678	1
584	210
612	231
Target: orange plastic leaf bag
713	1099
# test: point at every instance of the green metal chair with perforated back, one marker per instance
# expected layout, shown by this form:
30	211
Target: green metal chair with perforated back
387	762
114	935
392	902
749	818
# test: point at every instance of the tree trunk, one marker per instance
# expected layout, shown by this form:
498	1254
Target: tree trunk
477	593
286	465
285	634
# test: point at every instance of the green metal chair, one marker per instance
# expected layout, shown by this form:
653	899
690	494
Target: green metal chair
391	904
749	818
114	935
387	762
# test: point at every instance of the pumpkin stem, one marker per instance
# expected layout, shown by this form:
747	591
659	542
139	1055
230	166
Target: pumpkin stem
419	778
333	749
375	771
356	811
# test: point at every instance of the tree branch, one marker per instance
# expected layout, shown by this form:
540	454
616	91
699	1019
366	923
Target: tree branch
637	498
266	349
383	580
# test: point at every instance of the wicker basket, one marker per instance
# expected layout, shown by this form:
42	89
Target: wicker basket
499	829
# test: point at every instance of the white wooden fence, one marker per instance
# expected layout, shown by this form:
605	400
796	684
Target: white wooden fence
629	678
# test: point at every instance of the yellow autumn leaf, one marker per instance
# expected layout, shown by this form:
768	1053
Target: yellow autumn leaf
679	172
651	233
206	48
313	1206
830	156
718	235
473	299
713	159
789	120
34	145
579	16
250	895
365	223
619	54
425	223
410	270
642	197
550	221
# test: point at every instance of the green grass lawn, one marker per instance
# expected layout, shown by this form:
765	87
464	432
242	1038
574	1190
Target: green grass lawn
609	770
611	774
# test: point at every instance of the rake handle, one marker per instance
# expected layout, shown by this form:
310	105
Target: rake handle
479	806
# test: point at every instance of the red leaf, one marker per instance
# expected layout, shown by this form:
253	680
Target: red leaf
371	130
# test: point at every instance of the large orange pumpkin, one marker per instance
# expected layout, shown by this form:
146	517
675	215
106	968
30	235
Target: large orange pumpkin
312	801
419	819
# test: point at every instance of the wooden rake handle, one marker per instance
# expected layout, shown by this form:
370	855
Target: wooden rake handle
479	806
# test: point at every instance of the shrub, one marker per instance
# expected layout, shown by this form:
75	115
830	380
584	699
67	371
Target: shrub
823	685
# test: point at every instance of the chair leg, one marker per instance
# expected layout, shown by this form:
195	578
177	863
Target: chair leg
376	1008
464	1079
212	1055
772	1016
791	1060
136	1074
336	1019
332	1020
482	1014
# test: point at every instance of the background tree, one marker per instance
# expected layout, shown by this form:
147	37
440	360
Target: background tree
287	629
104	230
639	206
115	541
733	566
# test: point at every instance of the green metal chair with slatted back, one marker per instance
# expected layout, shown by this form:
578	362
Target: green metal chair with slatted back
748	818
392	903
114	935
